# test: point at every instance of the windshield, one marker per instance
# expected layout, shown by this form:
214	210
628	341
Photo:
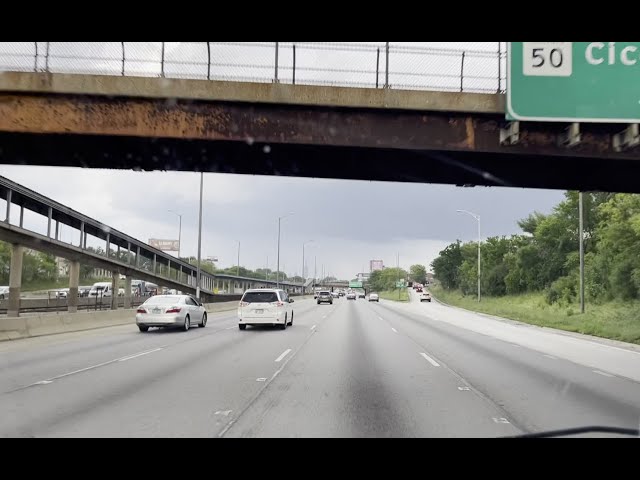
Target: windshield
260	297
319	239
161	300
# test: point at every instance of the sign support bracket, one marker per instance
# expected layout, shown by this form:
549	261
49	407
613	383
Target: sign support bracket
511	134
571	137
628	138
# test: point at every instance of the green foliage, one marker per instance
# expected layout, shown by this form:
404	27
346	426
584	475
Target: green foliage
418	273
385	279
446	266
545	258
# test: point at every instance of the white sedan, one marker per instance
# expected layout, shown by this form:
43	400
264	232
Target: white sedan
373	297
181	311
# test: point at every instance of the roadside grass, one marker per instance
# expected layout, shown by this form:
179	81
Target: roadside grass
393	295
615	320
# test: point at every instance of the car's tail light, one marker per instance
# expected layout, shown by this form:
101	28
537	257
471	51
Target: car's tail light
277	304
243	304
173	310
141	310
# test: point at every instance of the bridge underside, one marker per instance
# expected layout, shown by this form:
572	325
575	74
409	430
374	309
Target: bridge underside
267	139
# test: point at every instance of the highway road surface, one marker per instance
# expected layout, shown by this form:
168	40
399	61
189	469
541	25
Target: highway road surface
351	369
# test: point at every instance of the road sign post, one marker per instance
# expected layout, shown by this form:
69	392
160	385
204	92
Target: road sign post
573	81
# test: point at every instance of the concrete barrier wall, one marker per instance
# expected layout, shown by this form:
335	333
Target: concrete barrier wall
12	328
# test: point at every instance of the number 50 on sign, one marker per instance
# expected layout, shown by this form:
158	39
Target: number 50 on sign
549	59
573	81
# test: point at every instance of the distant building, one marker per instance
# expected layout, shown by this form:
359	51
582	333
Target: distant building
375	265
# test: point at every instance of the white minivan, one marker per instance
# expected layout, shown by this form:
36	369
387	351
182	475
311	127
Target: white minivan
101	289
265	306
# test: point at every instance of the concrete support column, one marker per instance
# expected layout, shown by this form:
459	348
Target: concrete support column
15	280
127	291
74	280
114	290
8	216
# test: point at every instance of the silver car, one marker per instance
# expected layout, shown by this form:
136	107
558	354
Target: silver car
171	311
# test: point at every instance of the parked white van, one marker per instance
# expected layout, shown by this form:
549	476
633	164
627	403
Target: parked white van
101	289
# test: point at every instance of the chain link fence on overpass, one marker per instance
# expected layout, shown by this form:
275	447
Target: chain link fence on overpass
442	66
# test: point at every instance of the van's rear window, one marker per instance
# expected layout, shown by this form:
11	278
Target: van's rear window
260	297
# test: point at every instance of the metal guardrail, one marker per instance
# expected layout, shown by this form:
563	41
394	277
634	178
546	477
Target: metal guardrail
470	67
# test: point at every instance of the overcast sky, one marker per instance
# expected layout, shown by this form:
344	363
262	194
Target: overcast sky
351	222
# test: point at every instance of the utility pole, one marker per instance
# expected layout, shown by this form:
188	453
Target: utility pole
199	238
581	235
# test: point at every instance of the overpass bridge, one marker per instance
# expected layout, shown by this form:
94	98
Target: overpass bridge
122	255
59	107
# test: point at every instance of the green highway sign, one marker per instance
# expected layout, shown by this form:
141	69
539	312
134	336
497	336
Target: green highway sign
573	81
353	284
400	284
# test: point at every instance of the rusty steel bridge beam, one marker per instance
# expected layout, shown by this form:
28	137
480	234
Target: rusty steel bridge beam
293	124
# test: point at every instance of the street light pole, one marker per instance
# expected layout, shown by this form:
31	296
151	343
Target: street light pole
278	263
581	235
199	238
398	269
477	217
303	277
238	267
179	231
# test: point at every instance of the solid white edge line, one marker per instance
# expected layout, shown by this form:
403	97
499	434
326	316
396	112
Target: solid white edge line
313	328
429	359
283	354
396	331
603	373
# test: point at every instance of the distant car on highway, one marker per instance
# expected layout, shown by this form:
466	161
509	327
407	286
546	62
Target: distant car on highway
84	291
362	295
335	295
325	297
101	289
373	297
265	306
425	297
181	311
351	296
63	293
4	293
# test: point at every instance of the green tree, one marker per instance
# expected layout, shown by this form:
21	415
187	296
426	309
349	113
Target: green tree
418	273
381	280
447	264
